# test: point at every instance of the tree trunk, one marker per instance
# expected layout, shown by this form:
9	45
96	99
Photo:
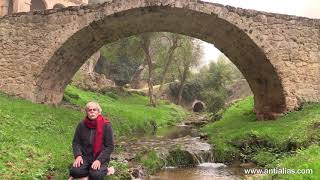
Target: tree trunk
150	85
145	46
136	78
182	82
168	63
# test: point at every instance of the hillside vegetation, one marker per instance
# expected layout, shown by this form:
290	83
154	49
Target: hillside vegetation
292	141
36	139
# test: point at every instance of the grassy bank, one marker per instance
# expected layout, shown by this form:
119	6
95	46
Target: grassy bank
129	112
285	142
36	139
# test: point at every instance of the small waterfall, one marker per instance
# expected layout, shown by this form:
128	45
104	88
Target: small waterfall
197	158
190	156
204	156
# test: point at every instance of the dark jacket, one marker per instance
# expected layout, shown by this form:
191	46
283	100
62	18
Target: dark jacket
83	142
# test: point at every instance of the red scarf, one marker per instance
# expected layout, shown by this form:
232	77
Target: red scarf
97	124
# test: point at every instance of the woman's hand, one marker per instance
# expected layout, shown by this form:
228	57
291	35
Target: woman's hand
77	163
96	165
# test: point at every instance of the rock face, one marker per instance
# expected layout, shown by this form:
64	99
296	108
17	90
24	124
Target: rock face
238	90
279	55
86	78
101	66
89	65
193	145
197	119
93	82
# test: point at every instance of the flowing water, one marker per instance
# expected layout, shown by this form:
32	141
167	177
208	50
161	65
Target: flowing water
187	137
206	170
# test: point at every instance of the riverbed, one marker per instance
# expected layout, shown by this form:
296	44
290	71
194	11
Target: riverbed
204	171
190	140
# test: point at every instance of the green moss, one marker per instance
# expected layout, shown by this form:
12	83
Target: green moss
180	158
264	158
150	160
223	152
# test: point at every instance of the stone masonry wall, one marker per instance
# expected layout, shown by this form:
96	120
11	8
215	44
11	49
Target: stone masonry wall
279	55
24	5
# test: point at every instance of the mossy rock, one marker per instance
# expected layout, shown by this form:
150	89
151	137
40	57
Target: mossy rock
181	158
150	160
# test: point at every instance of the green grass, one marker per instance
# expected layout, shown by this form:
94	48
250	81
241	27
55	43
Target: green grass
36	139
129	114
121	171
238	135
305	160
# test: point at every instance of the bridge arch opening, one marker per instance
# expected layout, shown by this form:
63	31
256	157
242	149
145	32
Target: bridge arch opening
227	37
198	106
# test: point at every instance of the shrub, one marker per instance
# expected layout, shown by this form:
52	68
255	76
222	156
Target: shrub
190	91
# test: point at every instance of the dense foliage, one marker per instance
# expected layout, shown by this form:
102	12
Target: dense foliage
122	58
210	84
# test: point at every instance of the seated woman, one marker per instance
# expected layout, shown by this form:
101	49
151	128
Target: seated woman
92	146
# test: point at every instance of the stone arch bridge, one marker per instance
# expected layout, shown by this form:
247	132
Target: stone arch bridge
279	55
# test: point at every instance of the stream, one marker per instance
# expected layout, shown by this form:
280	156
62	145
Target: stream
206	170
189	138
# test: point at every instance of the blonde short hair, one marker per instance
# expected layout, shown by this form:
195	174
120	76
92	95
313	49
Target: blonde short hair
94	104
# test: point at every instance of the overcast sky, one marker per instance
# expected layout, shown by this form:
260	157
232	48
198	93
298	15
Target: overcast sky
306	8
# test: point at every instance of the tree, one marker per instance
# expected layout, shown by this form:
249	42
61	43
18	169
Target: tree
214	80
145	42
123	58
187	55
173	40
137	76
221	73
